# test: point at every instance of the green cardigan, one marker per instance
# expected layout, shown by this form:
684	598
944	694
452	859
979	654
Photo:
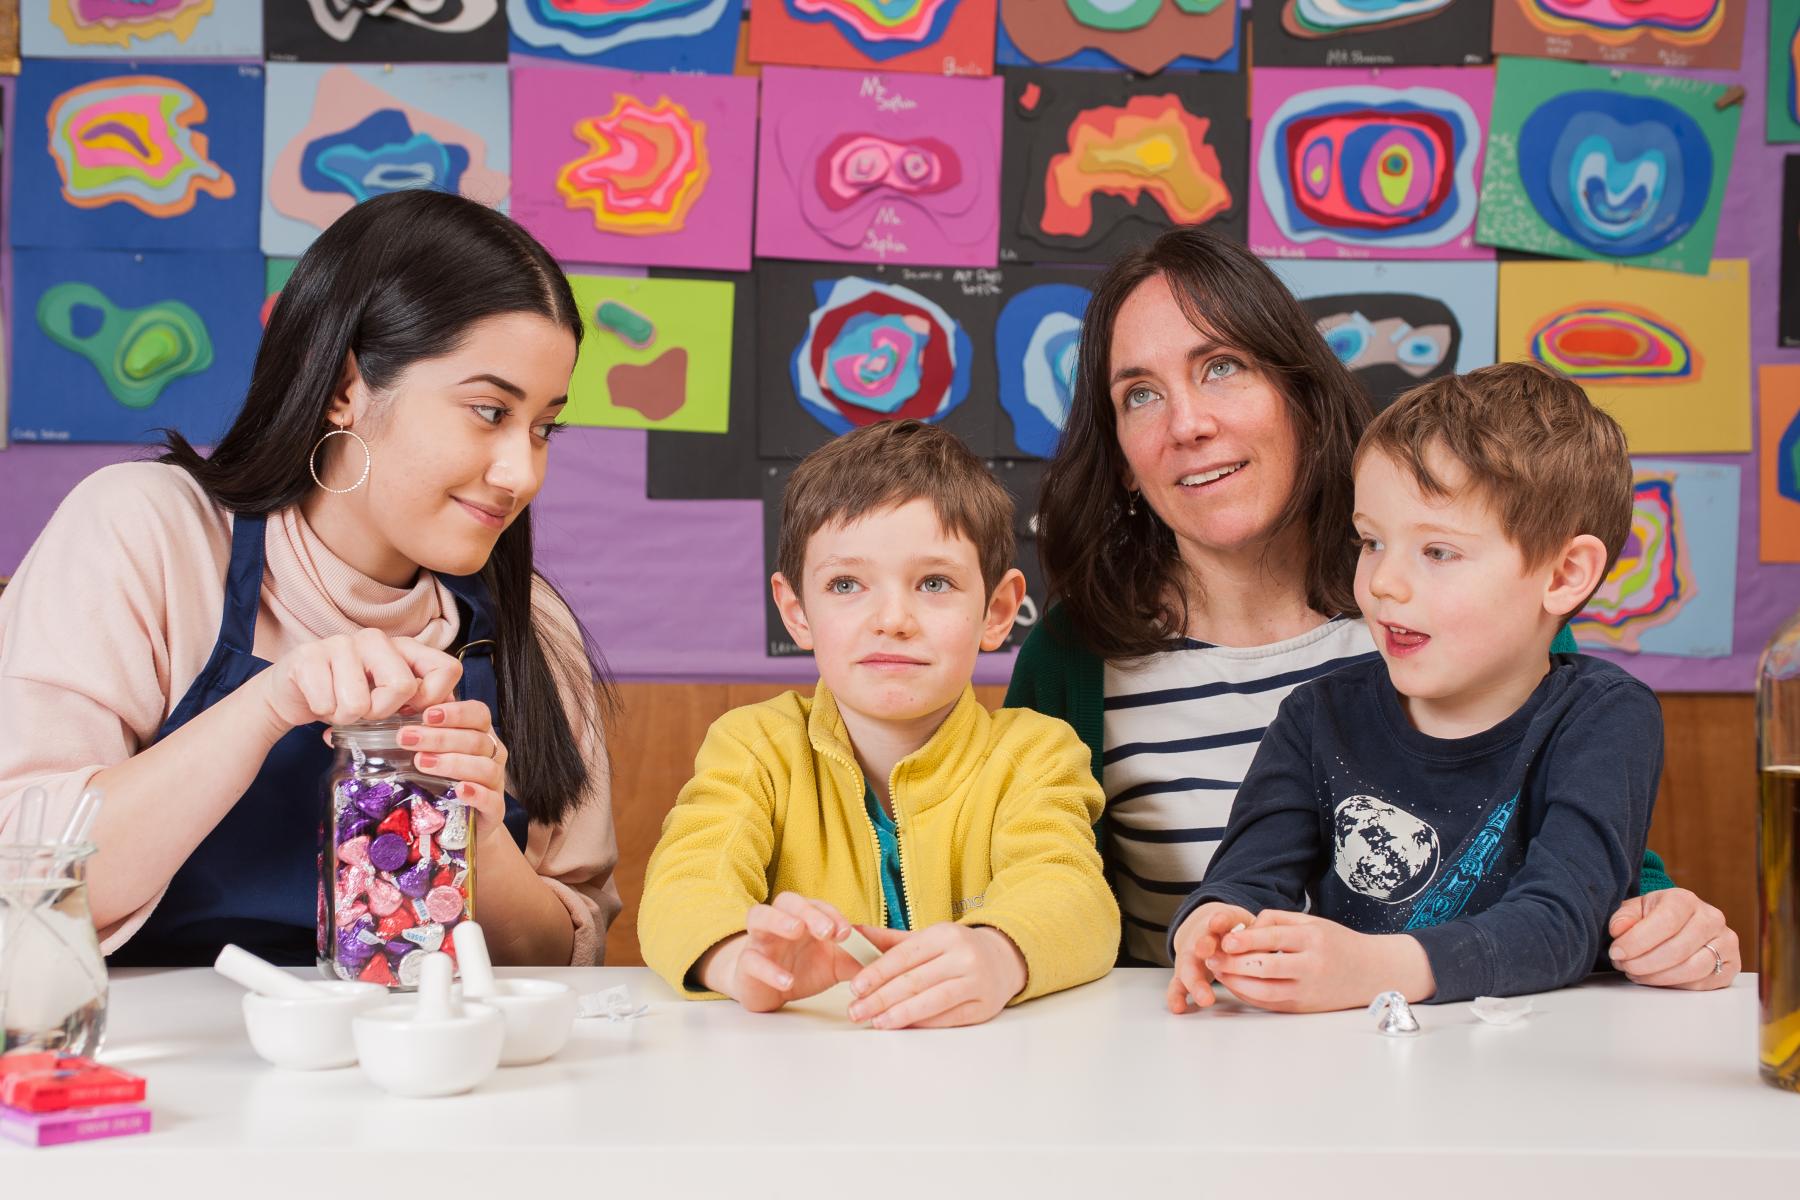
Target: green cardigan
1055	676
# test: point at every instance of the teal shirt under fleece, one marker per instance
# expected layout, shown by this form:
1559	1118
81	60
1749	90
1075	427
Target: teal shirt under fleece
889	838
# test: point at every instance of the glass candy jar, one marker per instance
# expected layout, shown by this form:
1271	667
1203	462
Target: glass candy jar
1778	855
396	864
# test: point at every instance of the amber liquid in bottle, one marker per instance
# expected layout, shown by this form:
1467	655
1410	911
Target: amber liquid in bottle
1778	982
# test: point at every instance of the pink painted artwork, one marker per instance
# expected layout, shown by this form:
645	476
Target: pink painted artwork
869	168
1368	164
649	170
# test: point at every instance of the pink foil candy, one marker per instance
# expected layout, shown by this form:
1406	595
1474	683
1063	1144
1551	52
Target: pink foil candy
384	897
444	904
354	852
348	913
426	818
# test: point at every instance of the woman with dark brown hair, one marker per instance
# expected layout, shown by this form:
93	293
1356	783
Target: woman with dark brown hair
1195	529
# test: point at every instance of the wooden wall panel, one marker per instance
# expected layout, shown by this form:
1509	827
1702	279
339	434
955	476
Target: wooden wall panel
1704	826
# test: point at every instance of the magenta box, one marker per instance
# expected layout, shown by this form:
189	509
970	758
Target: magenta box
74	1124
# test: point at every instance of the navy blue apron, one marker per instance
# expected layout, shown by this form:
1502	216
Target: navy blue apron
254	879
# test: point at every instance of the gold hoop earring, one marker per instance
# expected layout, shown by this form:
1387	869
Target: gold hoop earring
312	460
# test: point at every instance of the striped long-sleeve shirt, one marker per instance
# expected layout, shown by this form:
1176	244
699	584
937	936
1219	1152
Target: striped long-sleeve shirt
1180	729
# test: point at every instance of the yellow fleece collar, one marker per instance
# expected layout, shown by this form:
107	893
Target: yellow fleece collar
928	774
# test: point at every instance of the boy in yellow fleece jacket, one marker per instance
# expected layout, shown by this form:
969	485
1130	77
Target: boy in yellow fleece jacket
960	842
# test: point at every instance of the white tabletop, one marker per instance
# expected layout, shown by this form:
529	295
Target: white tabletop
1095	1092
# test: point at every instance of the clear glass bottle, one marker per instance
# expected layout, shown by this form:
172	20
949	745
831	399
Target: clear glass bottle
1778	855
52	977
396	859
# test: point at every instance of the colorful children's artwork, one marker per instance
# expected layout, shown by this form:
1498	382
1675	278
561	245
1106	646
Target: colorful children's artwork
1036	336
1377	164
1145	36
141	29
1372	33
879	168
627	168
336	136
111	346
1658	33
148	159
715	466
1667	355
657	354
1096	164
841	349
1398	324
1783	122
1778	486
1674	587
387	31
1617	166
275	276
630	35
936	37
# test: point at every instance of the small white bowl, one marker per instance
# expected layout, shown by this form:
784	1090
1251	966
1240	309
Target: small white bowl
309	1035
539	1016
410	1057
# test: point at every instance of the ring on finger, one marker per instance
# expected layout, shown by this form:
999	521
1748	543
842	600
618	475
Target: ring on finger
1718	967
494	742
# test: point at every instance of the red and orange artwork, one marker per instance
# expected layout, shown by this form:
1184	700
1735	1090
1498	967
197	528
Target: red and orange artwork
1150	146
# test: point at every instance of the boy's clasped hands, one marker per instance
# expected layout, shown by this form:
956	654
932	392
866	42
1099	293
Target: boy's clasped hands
946	974
1290	962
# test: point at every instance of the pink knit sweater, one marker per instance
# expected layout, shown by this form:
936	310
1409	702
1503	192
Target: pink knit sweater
116	607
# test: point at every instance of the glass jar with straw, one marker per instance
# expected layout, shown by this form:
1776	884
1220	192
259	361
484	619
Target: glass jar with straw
52	977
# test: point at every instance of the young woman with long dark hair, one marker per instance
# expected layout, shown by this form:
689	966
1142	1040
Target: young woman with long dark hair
357	545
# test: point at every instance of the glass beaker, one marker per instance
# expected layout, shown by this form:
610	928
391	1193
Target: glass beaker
52	977
1778	855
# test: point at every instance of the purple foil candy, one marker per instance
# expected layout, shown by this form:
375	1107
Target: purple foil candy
415	881
388	852
397	948
376	799
353	827
351	948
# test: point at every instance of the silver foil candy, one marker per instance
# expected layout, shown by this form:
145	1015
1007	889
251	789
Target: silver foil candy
1393	1015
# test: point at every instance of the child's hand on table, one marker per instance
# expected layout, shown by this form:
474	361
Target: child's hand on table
1196	941
789	951
1295	962
937	977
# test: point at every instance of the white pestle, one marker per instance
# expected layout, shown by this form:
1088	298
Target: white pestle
242	967
477	967
82	819
436	1001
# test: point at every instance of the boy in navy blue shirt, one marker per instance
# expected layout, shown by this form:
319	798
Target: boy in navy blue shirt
1461	817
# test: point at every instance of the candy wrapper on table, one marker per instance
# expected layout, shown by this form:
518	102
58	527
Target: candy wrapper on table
396	866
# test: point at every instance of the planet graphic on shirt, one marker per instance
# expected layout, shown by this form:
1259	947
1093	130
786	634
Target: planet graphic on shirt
1383	852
